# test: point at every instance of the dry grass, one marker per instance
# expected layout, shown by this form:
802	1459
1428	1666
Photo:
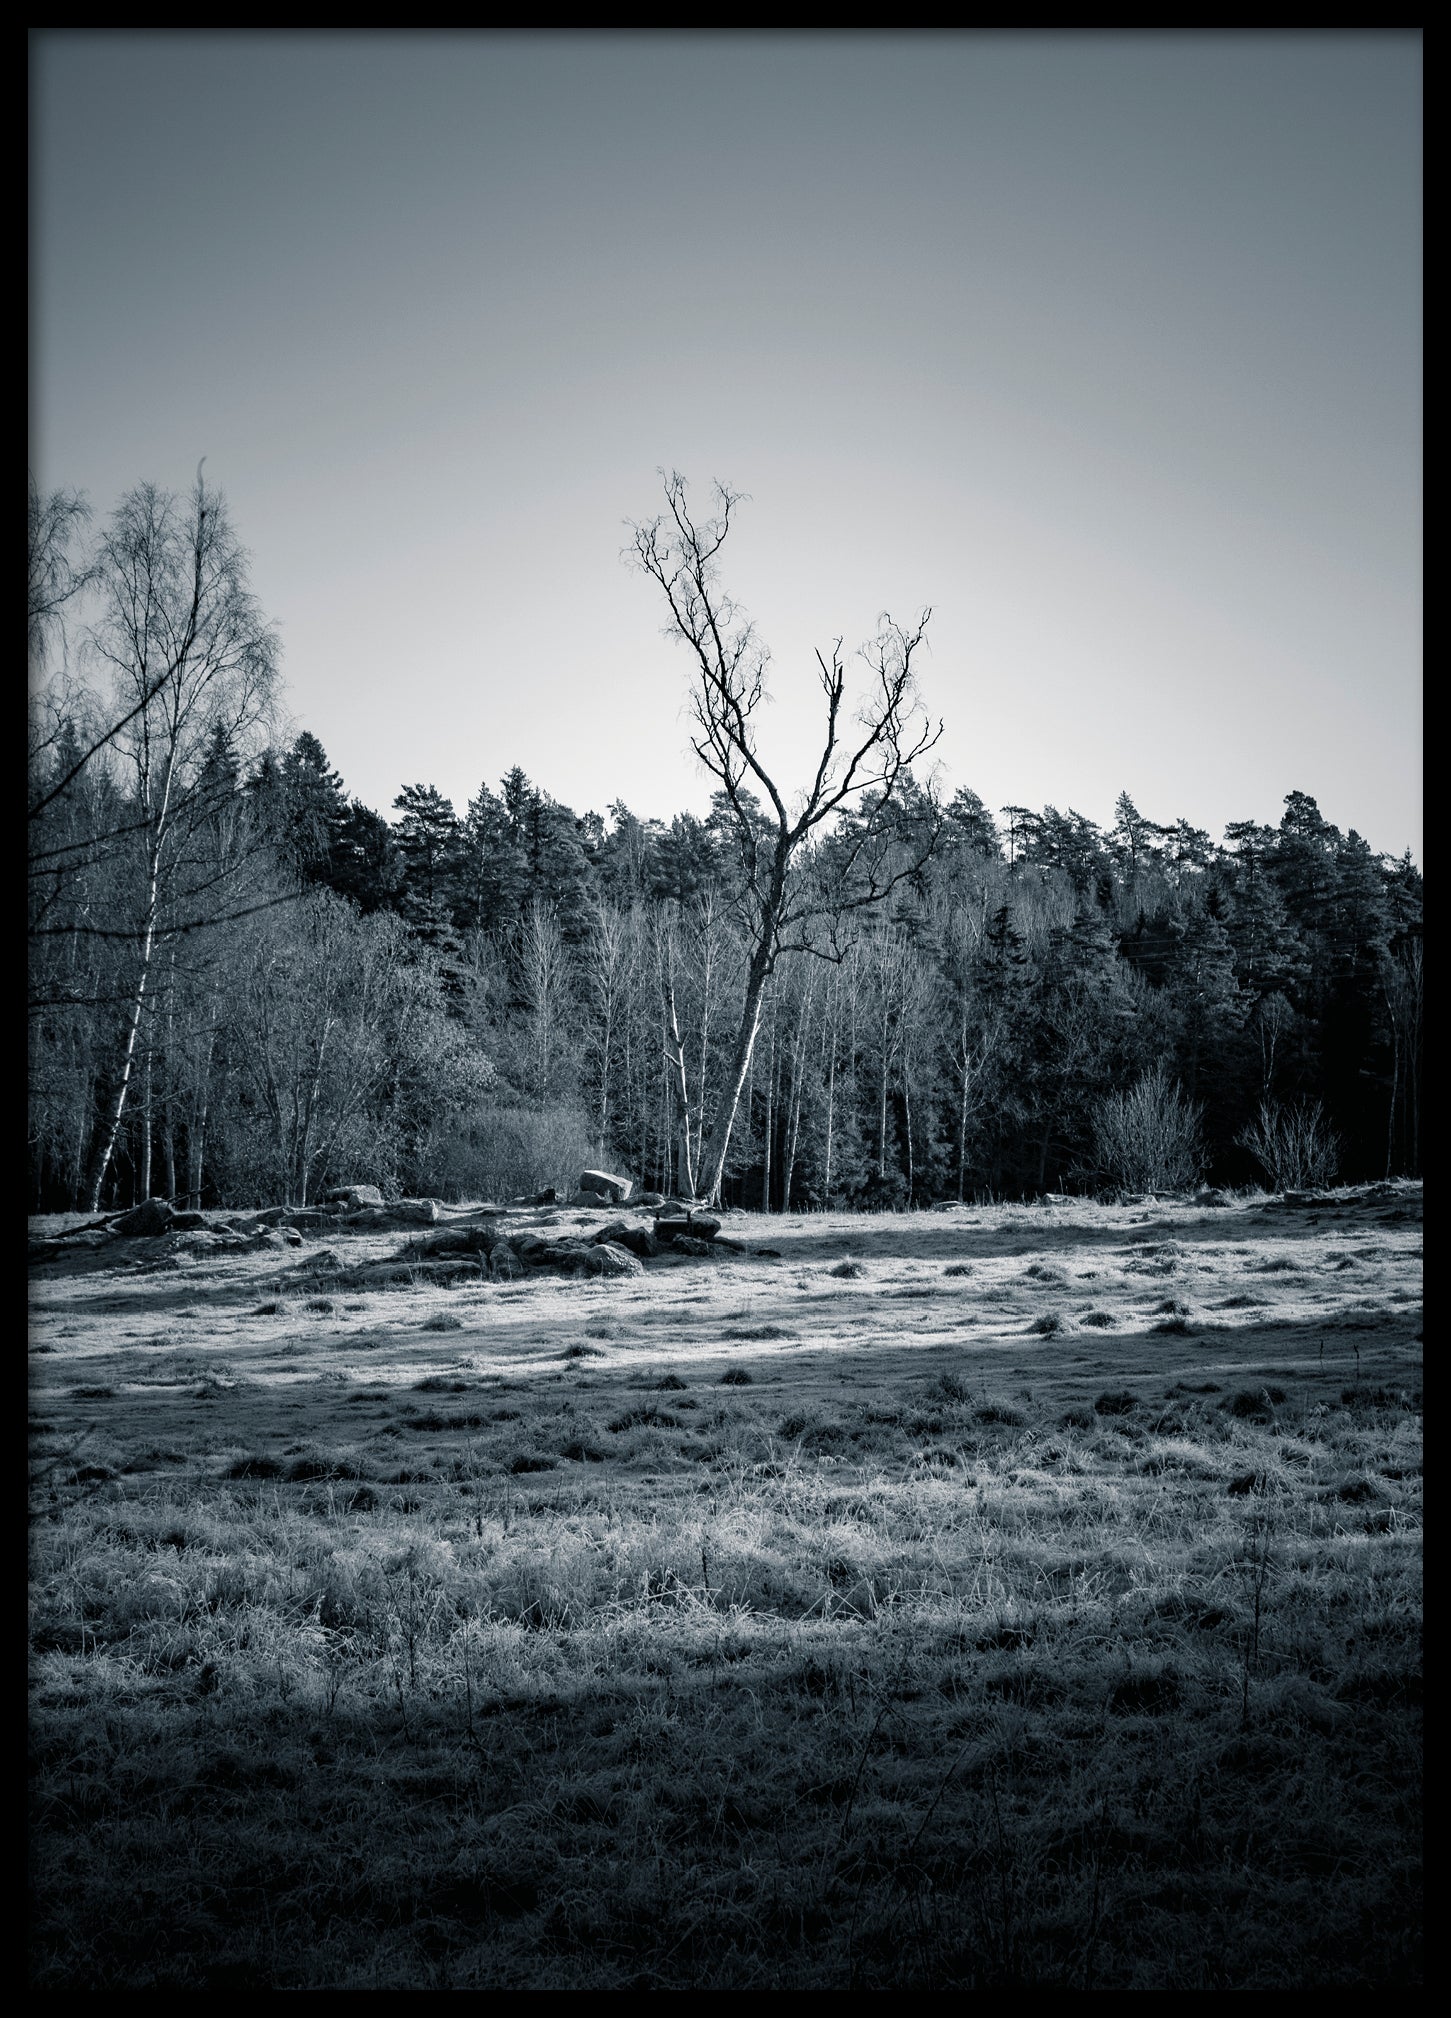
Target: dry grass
892	1657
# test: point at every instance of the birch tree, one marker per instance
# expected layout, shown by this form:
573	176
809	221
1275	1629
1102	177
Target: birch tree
191	657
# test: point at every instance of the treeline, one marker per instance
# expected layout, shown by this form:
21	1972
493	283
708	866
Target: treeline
246	985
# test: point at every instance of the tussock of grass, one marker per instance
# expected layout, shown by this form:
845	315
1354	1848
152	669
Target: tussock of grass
848	1270
958	1268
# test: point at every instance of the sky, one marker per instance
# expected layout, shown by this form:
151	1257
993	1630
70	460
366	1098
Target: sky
1106	347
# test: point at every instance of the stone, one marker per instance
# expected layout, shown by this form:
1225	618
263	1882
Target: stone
594	1200
615	1188
151	1217
607	1259
504	1263
415	1211
685	1243
637	1240
694	1225
353	1194
649	1198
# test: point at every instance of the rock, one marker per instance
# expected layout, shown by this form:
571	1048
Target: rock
649	1198
148	1219
548	1196
461	1240
614	1188
685	1243
415	1211
197	1240
353	1194
637	1240
607	1259
594	1200
308	1215
504	1263
692	1225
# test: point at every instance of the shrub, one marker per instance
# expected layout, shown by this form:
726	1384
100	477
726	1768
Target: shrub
1147	1139
1296	1145
506	1151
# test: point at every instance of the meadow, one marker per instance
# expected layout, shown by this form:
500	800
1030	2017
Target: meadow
1015	1595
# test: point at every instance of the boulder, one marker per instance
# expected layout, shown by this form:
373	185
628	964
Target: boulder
634	1239
615	1188
151	1217
415	1211
607	1259
504	1263
685	1243
353	1194
691	1225
460	1240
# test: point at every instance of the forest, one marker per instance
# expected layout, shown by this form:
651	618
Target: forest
246	985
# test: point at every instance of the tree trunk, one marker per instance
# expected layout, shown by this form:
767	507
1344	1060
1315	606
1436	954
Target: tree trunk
712	1163
769	1128
147	1123
111	1128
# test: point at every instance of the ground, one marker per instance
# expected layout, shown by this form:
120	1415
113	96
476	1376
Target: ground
1016	1595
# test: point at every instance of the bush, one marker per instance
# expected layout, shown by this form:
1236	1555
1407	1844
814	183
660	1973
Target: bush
513	1151
1147	1139
1296	1145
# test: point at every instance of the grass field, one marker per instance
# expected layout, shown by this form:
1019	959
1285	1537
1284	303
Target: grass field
1026	1595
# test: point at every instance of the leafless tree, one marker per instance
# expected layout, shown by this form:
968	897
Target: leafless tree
863	770
56	574
192	659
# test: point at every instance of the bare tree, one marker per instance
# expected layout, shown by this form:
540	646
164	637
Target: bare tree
863	770
54	524
193	661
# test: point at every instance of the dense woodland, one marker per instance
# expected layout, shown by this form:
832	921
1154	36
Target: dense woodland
246	985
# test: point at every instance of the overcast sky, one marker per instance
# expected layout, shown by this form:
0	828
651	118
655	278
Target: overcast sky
1105	346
